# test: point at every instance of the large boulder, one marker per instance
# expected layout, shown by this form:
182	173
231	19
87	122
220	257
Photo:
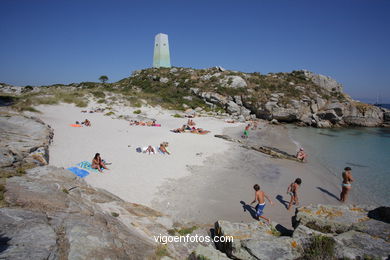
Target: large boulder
255	240
27	235
325	82
233	82
21	136
360	114
207	252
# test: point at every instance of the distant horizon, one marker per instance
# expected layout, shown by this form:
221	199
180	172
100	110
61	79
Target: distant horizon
63	42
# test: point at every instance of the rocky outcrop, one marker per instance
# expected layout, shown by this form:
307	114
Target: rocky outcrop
254	241
351	229
325	82
272	151
23	140
321	232
52	214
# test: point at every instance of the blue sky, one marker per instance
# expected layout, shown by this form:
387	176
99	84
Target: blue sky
45	42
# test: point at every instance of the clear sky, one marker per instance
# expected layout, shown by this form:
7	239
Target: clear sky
45	41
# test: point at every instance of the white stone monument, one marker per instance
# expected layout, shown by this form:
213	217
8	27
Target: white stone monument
161	56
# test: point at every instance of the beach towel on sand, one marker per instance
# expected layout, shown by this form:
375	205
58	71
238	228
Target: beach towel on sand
88	166
76	125
79	172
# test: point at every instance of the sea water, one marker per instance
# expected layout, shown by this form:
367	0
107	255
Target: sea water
365	150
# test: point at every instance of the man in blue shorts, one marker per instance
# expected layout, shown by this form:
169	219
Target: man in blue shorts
259	197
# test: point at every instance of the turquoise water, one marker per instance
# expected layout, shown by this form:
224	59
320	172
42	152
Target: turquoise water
365	150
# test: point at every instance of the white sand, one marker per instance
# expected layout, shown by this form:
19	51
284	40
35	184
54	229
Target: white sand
132	176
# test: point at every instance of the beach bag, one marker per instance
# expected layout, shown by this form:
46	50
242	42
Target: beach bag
138	150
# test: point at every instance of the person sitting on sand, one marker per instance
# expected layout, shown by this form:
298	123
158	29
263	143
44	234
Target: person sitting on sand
259	197
191	122
301	155
292	190
97	163
346	185
150	150
163	148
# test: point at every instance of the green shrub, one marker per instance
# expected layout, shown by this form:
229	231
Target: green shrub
98	94
177	116
320	247
65	191
100	101
137	111
185	231
109	113
114	214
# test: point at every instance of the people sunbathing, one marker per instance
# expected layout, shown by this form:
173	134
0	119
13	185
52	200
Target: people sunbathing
163	148
191	122
150	150
301	155
86	122
98	163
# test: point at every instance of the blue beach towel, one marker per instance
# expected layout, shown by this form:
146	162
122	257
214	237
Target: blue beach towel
79	172
87	166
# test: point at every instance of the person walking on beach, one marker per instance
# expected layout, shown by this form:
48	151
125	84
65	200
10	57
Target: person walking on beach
292	190
259	197
246	131
346	185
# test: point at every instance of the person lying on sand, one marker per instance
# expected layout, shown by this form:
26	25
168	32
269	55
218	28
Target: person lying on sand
346	185
163	148
301	155
86	122
259	197
150	150
97	163
292	190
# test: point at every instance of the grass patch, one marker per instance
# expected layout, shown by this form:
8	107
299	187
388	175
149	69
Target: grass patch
65	191
2	191
109	113
100	101
137	105
114	214
177	116
137	111
161	251
185	231
320	247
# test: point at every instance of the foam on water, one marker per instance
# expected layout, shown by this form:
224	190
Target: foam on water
365	150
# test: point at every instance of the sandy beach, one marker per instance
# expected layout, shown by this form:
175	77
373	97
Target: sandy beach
204	179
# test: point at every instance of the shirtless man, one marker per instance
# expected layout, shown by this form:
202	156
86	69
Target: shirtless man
293	191
346	185
259	197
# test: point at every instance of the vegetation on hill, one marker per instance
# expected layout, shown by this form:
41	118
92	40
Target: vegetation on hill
171	88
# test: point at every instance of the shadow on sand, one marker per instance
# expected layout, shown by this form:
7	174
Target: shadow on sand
281	200
249	208
328	193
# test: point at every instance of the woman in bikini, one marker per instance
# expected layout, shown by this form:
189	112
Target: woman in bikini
97	163
346	185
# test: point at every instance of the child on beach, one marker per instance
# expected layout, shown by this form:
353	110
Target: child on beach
259	197
246	131
301	155
346	185
293	191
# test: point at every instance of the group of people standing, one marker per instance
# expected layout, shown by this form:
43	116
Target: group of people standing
292	190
